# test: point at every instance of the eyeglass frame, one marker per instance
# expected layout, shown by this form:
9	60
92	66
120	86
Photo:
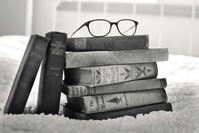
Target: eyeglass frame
111	23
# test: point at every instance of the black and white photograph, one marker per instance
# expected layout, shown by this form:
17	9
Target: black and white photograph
99	66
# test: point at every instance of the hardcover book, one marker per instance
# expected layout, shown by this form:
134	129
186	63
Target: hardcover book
108	43
104	75
51	74
80	90
116	101
73	114
26	74
101	58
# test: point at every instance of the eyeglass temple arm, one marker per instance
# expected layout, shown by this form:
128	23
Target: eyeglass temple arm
128	29
77	30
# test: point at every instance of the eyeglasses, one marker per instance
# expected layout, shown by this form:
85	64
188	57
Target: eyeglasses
102	27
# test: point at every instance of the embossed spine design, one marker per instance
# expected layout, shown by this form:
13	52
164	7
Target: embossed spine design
108	102
121	73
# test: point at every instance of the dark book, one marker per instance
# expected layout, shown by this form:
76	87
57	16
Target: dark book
102	58
73	114
109	43
26	74
116	101
104	75
80	90
51	74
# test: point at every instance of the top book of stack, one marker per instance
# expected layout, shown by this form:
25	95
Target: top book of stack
110	43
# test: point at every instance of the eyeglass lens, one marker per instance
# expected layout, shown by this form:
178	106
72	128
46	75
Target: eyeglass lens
99	27
103	27
126	27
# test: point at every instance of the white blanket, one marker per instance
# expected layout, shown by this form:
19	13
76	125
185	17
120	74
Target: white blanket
182	73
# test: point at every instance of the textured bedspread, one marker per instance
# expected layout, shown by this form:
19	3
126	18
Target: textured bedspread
182	73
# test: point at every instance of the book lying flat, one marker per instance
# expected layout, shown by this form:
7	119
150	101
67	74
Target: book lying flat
73	114
108	43
80	90
116	101
101	58
104	75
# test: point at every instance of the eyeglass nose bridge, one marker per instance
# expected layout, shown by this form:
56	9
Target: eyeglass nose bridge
114	23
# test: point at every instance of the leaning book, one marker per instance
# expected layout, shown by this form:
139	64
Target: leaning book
51	74
26	74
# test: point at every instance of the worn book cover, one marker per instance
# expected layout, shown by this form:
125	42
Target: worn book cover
101	58
104	75
51	74
108	43
73	114
80	90
26	74
116	101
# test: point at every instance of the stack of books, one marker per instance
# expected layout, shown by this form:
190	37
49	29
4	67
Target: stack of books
104	77
110	77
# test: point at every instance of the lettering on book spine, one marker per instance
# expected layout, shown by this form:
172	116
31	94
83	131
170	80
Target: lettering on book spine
106	75
100	103
78	91
57	48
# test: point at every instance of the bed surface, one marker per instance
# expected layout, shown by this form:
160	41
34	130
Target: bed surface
181	72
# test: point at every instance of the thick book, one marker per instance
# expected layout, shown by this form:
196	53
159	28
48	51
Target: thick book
80	90
104	75
116	101
26	74
109	43
51	74
101	58
73	114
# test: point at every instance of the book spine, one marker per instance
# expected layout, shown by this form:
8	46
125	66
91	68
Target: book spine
145	84
73	114
100	58
108	102
76	90
105	75
51	74
26	74
108	43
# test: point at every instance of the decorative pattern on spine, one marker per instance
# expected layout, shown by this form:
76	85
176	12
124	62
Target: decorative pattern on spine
121	73
108	102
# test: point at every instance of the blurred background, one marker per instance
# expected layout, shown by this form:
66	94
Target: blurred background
169	23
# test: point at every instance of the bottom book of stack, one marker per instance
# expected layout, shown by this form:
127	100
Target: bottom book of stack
73	114
105	106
